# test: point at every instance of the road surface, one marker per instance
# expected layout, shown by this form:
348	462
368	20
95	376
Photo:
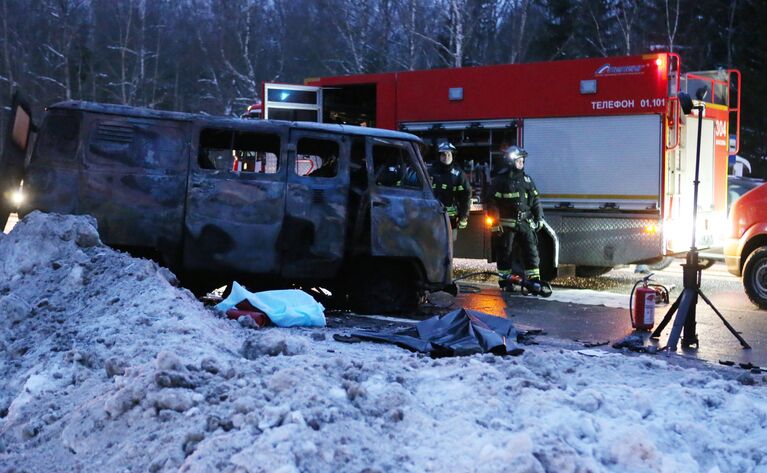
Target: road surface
595	310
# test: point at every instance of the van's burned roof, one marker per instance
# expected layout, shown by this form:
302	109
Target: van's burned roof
139	112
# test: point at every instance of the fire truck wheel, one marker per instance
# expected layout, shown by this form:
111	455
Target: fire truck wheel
755	277
384	290
664	263
591	271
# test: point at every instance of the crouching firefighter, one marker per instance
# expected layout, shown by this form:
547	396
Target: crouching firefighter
451	187
514	206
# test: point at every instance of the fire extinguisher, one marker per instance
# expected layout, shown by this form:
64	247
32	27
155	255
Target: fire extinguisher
642	304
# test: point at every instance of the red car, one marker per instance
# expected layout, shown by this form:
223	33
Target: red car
745	250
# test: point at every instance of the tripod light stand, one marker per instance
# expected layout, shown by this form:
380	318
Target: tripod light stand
692	269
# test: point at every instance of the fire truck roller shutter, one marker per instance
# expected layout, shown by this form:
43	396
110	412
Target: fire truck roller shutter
590	161
599	168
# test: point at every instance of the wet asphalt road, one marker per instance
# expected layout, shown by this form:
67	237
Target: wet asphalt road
590	322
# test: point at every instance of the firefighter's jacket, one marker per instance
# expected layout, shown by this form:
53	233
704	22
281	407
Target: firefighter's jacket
451	187
513	198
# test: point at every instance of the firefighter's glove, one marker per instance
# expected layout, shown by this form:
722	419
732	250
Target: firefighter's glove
462	223
496	229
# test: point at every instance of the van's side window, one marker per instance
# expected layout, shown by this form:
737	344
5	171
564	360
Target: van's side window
243	152
316	158
59	137
216	149
394	167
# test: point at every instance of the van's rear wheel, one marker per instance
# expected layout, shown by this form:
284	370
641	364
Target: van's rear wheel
384	289
755	277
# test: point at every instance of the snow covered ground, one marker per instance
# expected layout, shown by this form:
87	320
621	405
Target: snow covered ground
107	366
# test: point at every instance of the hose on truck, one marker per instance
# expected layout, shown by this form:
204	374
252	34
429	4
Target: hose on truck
543	288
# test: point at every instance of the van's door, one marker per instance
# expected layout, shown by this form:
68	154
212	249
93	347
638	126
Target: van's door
17	143
234	214
292	103
407	221
316	206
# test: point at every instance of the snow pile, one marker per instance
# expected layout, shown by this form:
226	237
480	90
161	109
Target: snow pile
107	366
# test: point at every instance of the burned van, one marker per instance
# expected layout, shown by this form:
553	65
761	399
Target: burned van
269	203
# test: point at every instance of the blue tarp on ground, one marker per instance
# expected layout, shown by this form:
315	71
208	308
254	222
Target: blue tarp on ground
457	333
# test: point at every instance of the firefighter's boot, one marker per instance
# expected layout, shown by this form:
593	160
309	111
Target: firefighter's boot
536	287
504	281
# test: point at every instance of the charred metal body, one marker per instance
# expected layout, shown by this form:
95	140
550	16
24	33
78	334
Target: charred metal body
272	203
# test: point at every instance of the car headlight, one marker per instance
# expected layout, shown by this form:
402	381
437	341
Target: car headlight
17	198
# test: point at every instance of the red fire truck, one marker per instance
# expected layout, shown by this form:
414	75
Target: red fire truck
610	150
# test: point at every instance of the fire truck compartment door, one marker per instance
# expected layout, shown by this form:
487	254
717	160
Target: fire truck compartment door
292	102
314	233
596	162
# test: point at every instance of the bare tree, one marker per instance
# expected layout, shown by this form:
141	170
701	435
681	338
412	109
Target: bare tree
353	20
61	23
8	78
671	25
457	34
126	53
626	13
411	36
517	12
731	30
448	32
597	38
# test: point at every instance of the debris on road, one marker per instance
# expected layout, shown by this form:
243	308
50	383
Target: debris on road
593	344
284	307
245	310
636	342
594	353
440	300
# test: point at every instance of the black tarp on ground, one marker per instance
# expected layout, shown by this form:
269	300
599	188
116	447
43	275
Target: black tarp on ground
457	333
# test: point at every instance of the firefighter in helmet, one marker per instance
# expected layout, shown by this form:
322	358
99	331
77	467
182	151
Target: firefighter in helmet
253	111
514	206
394	173
451	187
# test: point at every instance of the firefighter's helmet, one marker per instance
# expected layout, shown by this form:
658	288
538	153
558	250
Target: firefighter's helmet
445	147
253	111
446	150
515	152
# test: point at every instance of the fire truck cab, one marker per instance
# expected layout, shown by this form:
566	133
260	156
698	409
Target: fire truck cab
610	150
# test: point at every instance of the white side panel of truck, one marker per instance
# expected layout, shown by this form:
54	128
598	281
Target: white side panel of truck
592	161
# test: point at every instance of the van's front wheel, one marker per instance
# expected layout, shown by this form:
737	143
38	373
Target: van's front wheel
383	289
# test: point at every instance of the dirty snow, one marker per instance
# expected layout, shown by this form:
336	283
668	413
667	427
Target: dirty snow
107	366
